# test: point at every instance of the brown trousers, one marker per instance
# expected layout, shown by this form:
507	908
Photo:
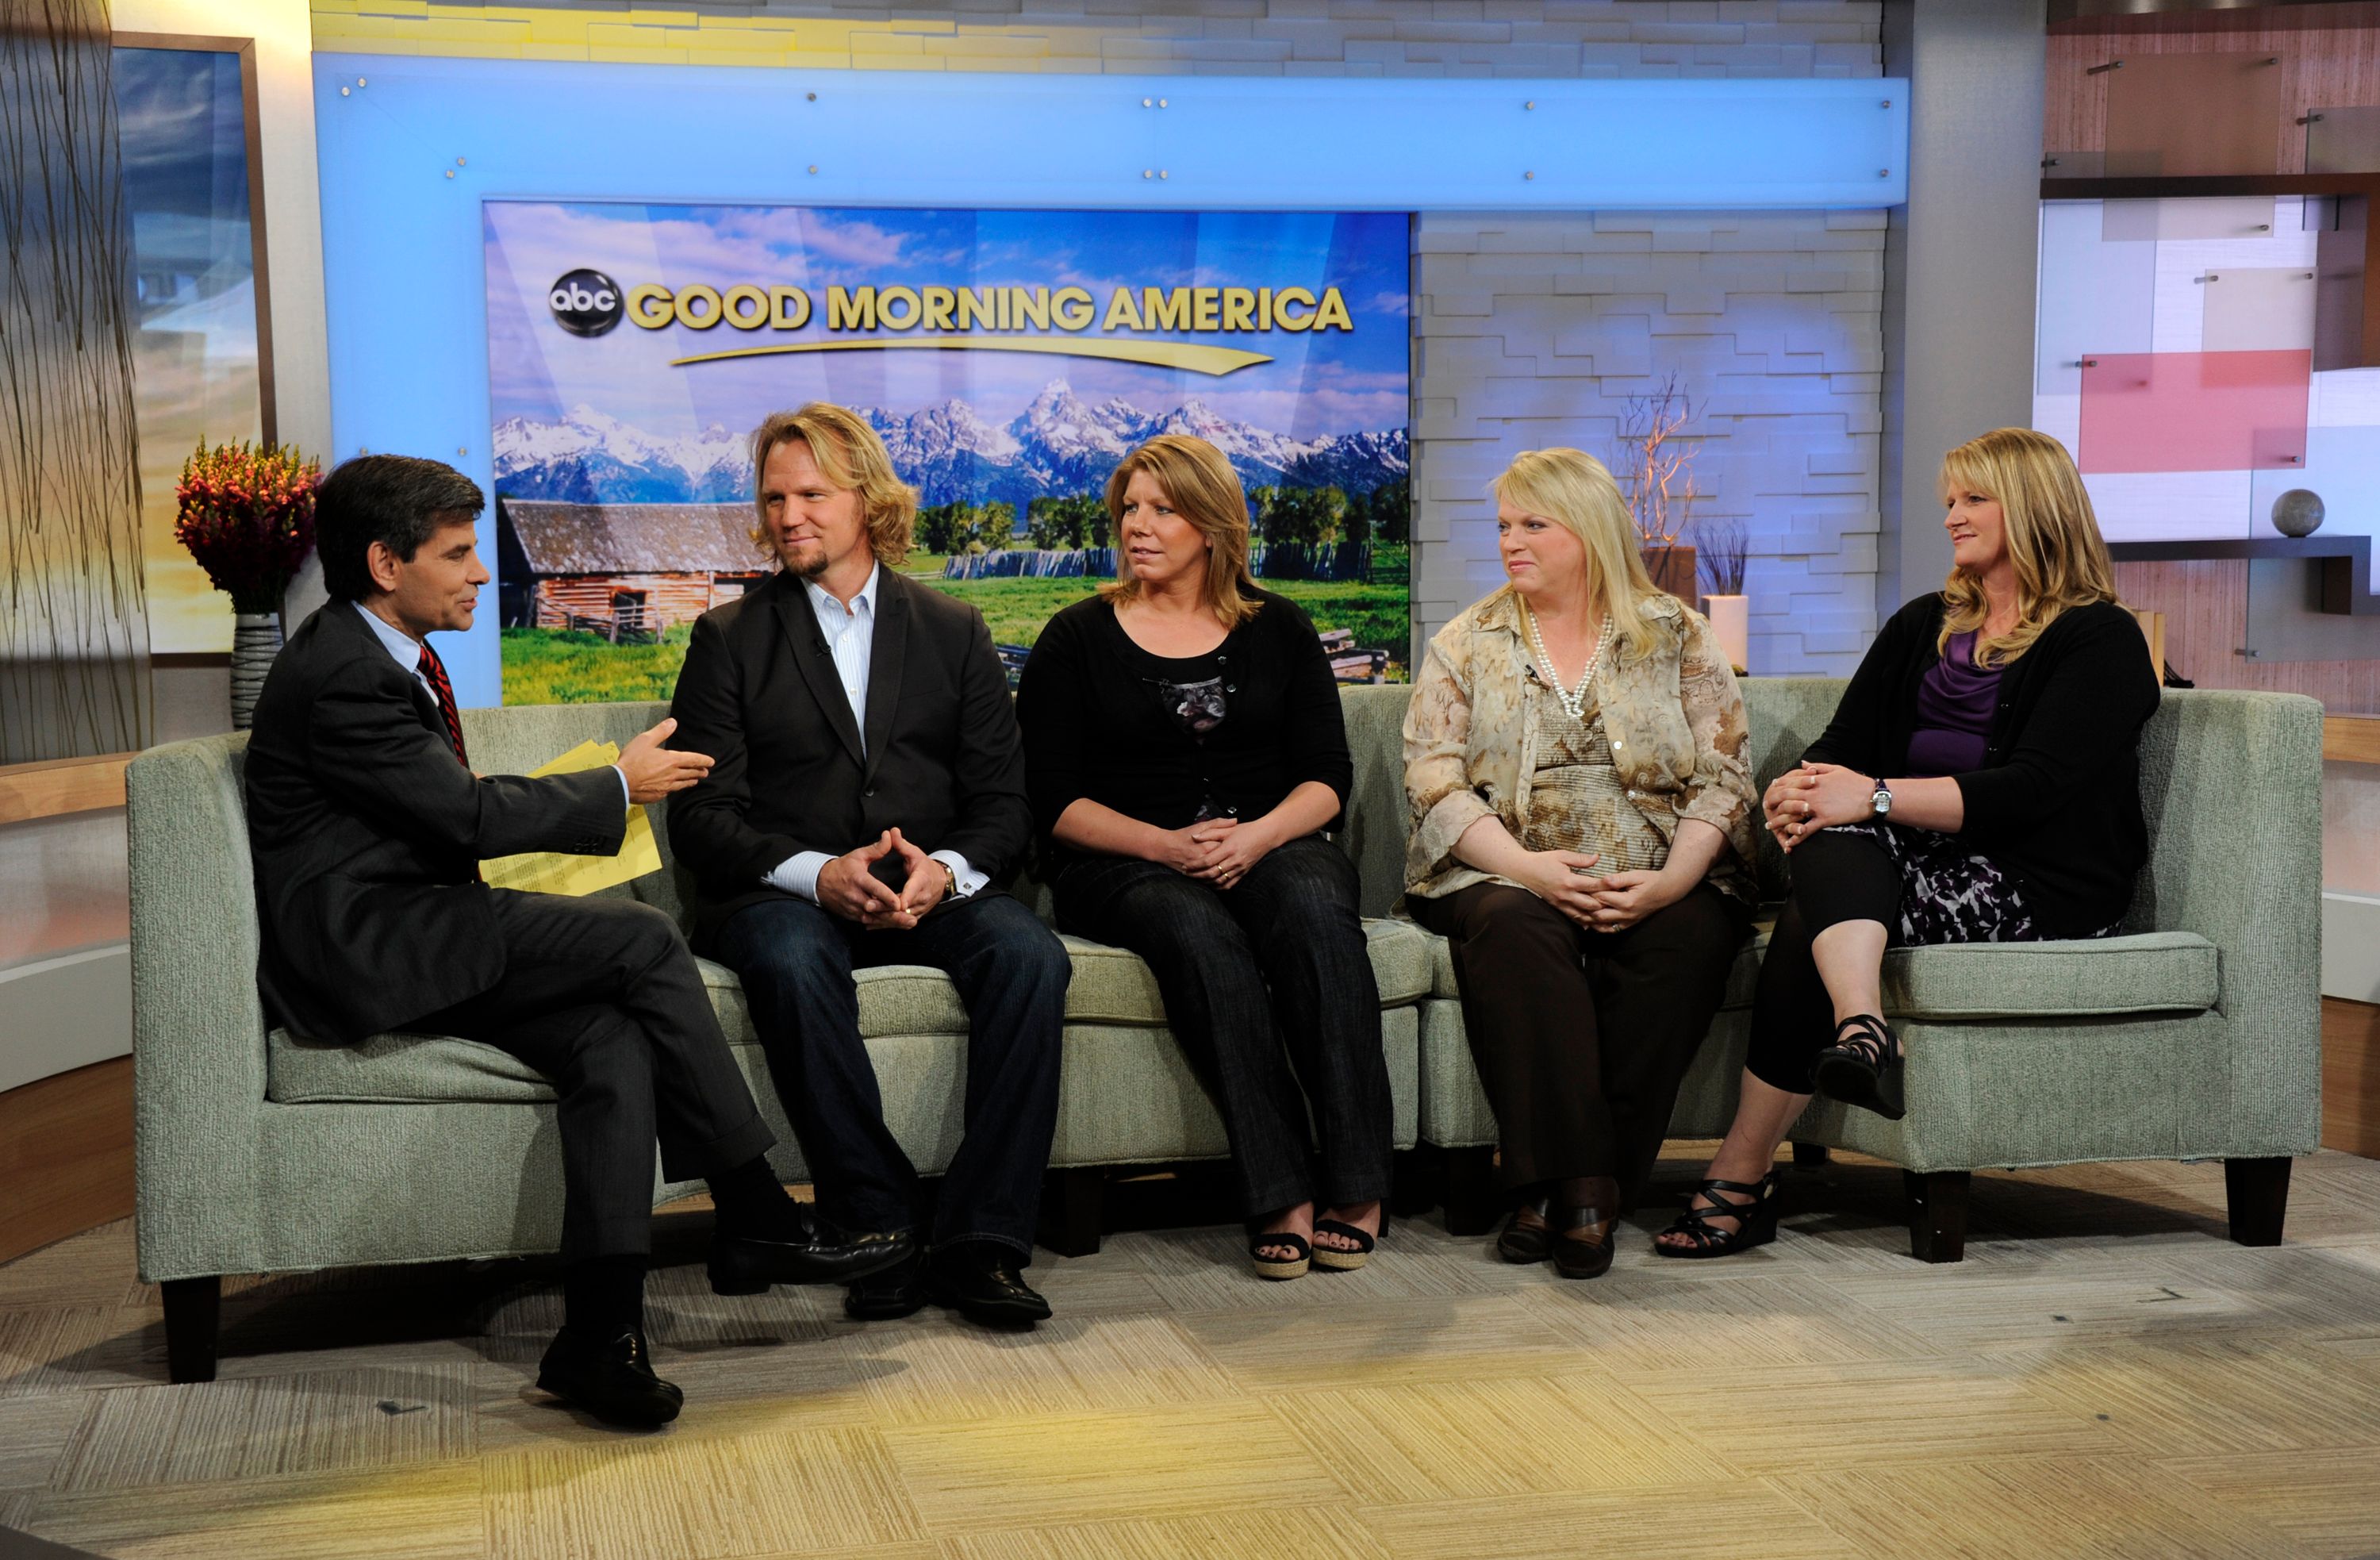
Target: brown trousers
1582	1038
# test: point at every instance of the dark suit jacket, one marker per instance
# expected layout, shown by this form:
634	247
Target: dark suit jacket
761	695
367	838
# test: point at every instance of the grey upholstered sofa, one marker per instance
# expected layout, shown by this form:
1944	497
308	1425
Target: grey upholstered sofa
2196	1037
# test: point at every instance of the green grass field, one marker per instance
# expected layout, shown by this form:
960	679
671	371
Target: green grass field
553	666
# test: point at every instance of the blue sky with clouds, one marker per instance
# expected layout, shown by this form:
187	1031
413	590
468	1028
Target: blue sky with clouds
1320	383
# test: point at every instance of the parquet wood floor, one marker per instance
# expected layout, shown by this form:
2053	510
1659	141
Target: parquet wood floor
2105	1377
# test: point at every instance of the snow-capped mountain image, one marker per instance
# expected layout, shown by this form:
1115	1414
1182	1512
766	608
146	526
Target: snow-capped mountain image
1056	446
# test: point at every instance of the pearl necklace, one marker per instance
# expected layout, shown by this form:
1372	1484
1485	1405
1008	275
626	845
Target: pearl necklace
1573	700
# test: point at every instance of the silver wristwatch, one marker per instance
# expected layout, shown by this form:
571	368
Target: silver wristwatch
1882	800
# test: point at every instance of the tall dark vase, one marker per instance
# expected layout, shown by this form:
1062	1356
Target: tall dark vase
255	640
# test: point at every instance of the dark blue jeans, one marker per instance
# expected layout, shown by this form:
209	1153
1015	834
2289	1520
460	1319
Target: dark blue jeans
1256	978
796	961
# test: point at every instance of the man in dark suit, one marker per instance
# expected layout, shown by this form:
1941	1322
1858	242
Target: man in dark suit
367	827
869	790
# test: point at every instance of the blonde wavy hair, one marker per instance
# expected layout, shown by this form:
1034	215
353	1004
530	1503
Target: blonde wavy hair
1576	492
852	457
2053	539
1198	481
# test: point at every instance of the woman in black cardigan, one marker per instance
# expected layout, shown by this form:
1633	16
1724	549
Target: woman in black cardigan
1183	750
1980	782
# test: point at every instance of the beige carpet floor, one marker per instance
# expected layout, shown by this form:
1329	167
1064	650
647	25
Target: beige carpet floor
2104	1376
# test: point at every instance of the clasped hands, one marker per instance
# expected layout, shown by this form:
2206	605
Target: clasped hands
1811	797
849	887
1215	850
1613	902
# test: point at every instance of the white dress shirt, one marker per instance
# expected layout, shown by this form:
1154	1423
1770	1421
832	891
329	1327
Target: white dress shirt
406	651
850	634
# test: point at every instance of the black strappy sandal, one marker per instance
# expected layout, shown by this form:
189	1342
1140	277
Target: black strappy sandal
1336	1261
1755	1220
1864	1070
1281	1267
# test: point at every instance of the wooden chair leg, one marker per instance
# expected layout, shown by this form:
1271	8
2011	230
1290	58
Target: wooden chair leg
1809	1156
193	1308
1074	1203
1474	1200
2258	1192
1938	1215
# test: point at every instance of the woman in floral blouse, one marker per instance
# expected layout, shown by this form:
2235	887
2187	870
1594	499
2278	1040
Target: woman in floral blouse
1581	834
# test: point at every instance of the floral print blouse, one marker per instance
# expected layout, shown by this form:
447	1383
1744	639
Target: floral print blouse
1674	721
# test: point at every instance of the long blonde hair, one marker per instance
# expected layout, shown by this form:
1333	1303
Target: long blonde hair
1203	490
2053	539
1576	492
852	456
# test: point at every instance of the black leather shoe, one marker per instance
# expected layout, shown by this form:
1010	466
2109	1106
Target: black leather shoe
1581	1243
987	1290
888	1295
1528	1233
611	1378
745	1264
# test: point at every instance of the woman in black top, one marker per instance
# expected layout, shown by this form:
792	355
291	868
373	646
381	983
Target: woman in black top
1980	782
1184	749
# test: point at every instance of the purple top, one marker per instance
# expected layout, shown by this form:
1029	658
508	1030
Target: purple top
1954	711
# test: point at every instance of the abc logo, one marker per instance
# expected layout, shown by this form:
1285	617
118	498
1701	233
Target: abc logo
585	302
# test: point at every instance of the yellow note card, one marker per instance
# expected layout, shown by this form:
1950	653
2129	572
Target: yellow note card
552	873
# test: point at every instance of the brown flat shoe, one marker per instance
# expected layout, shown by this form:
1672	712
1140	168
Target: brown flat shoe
1528	1233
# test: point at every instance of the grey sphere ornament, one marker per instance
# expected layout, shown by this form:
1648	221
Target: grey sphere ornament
2298	512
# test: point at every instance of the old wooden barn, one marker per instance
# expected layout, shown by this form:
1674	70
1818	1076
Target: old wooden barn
623	570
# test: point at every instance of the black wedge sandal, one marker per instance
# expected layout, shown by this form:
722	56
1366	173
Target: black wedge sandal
1864	1068
1755	1220
1281	1267
1336	1261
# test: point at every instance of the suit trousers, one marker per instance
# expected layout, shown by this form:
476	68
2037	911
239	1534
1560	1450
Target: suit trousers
1582	1038
1273	973
601	997
796	961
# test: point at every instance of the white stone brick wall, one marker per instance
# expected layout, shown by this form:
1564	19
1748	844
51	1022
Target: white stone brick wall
1534	330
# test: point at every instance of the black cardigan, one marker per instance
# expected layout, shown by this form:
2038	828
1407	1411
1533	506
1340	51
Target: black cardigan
1094	728
2057	803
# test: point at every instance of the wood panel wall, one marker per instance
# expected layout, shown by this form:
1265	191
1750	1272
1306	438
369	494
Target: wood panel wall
2328	68
2206	607
2351	1077
65	1155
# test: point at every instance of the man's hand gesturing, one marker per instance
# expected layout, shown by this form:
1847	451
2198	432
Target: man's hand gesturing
654	771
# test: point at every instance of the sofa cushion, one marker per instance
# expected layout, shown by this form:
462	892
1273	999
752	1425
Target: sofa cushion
1110	986
2150	973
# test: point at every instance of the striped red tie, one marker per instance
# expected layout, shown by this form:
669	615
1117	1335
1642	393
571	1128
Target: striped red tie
435	670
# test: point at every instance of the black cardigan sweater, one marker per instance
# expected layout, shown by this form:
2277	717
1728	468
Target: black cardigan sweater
2057	803
1093	727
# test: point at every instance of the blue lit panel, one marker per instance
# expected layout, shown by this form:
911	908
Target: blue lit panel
409	147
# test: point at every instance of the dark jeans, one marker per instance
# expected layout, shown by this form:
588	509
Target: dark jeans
1257	978
797	962
601	997
1582	1038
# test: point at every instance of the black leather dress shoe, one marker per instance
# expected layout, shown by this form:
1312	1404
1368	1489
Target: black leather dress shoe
744	1264
987	1290
890	1294
611	1378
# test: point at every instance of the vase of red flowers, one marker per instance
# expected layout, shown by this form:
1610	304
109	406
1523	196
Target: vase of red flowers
247	517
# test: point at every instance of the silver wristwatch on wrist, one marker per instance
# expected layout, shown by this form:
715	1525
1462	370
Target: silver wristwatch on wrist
1881	802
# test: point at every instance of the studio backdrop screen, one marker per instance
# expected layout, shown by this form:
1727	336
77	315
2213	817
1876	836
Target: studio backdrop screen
1008	357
